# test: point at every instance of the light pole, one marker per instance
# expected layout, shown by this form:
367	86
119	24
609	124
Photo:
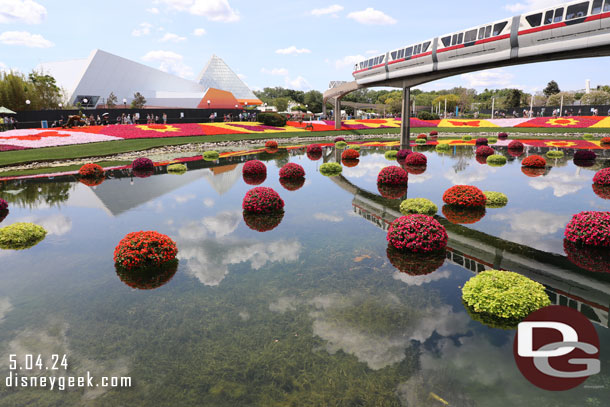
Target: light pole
493	106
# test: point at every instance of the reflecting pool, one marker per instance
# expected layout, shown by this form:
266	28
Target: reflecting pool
314	311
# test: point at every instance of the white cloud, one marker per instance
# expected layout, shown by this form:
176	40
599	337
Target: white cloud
470	175
25	39
292	50
534	228
335	8
562	184
327	218
419	280
298	83
213	10
530	5
372	52
172	37
153	10
169	62
57	225
209	202
242	76
21	11
5	307
142	30
198	32
497	77
275	71
184	198
370	16
348	61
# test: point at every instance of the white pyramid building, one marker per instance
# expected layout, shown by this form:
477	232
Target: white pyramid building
218	75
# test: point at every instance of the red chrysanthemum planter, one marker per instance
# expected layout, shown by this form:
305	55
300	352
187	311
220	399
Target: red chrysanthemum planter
594	259
271	150
91	171
292	184
464	195
502	136
533	172
602	177
314	156
415	170
314	148
534	161
415	264
392	191
350	163
433	133
403	154
416	159
461	215
481	159
92	182
148	279
3	205
142	163
485	151
255	179
515	145
417	233
263	222
584	155
292	170
143	173
254	168
393	175
482	141
589	228
271	144
338	139
142	250
516	153
422	137
603	191
350	154
262	200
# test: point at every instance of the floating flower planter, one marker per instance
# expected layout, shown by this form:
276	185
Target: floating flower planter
148	278
602	191
417	234
350	163
465	196
534	161
416	160
263	222
496	160
533	172
262	200
391	155
403	154
211	155
314	152
416	264
393	176
594	259
271	144
144	250
420	206
21	236
292	171
91	171
515	145
3	210
392	191
340	144
177	169
330	169
589	228
602	177
495	199
292	184
482	141
554	154
584	158
502	136
492	140
142	163
461	215
254	168
481	159
485	150
415	169
350	154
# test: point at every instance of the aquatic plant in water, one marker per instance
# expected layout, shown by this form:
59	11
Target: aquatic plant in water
21	236
422	206
496	160
415	264
589	228
142	250
464	195
417	233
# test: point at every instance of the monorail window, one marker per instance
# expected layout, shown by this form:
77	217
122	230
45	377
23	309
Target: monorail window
460	38
408	52
558	15
376	61
401	54
394	54
371	62
482	33
488	31
499	27
454	39
548	17
534	20
446	41
381	58
426	46
607	6
470	36
417	50
597	6
577	10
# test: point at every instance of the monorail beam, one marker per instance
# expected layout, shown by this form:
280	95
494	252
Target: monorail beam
405	123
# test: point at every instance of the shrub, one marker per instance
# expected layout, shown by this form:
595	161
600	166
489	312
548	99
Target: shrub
605	140
21	236
589	228
262	200
423	115
421	206
292	170
91	171
433	133
515	145
555	154
150	278
416	159
504	294
495	199
466	138
254	167
255	179
390	191
272	119
482	141
492	140
340	144
391	154
292	184
485	151
602	177
417	233
502	136
464	195
443	148
603	191
588	136
421	141
271	144
337	139
584	155
393	176
463	215
415	264
403	154
142	250
330	169
350	163
422	137
176	168
211	155
142	163
534	161
263	222
591	258
350	154
496	160
533	172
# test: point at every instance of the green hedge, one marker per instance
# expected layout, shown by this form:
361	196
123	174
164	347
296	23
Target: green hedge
427	116
272	119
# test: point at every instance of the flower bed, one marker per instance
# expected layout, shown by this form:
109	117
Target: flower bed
415	264
584	155
534	161
263	222
350	154
403	154
482	141
417	233
91	171
420	206
495	199
555	154
330	169
393	176
148	278
211	155
465	196
504	294
533	172
178	169
292	184
496	160
144	250
484	151
21	236
142	163
350	163
461	215
602	191
340	144
262	200
292	171
392	191
254	168
416	160
602	177
391	155
271	144
515	145
594	259
589	228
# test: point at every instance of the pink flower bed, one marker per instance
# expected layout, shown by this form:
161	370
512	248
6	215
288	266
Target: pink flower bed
39	138
155	131
259	128
417	233
589	228
10	147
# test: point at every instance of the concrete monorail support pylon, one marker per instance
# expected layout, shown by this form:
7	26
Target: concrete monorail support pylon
338	113
405	123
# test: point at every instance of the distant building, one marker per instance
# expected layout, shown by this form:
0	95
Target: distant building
93	79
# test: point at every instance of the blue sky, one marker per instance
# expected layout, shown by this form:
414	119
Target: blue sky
291	43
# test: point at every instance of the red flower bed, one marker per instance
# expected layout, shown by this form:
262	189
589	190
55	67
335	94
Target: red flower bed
416	159
292	184
602	177
502	136
515	145
482	141
392	191
254	179
142	163
533	172
464	195
534	161
393	176
350	162
603	191
262	200
91	171
315	155
350	154
485	151
415	264
422	137
463	215
263	222
140	250
589	228
417	233
292	170
594	259
271	144
254	167
415	170
403	154
149	279
584	155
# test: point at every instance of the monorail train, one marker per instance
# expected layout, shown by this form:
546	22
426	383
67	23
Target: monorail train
563	27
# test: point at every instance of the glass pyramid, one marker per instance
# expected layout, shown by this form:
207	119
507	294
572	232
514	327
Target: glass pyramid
218	75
